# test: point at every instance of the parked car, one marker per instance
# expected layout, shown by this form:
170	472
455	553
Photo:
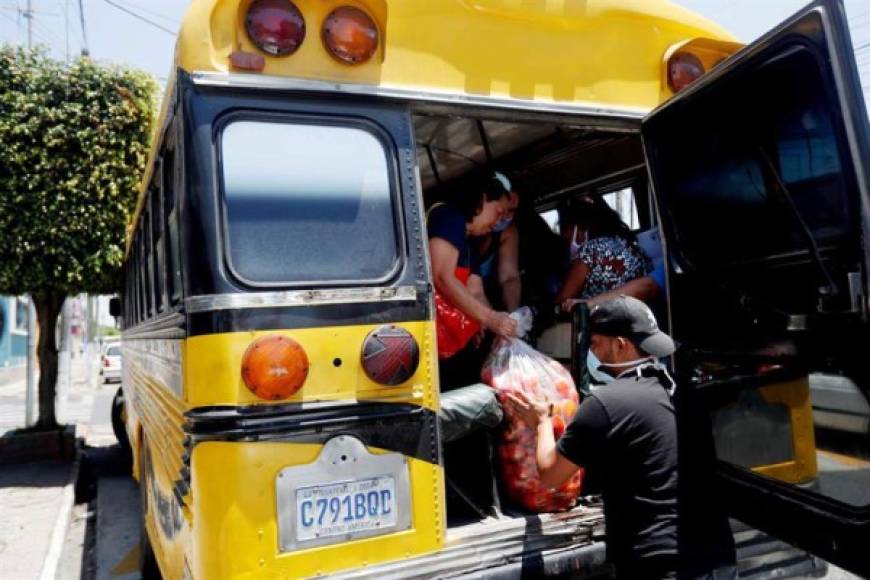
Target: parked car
110	365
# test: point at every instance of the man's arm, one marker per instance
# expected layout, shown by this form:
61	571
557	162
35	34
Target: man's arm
553	467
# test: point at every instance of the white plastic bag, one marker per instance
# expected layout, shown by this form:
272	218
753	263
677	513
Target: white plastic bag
516	366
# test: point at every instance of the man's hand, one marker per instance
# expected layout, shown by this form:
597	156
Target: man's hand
529	410
553	467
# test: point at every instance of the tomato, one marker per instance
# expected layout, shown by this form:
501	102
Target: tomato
558	427
564	388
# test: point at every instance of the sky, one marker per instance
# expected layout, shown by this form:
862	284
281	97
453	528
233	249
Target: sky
116	36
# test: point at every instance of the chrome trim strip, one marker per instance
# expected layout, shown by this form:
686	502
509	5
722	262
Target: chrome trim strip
167	326
421	97
209	303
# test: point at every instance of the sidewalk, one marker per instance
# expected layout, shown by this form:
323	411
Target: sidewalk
75	402
35	502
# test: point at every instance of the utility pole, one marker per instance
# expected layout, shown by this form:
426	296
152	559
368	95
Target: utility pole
85	50
28	14
66	30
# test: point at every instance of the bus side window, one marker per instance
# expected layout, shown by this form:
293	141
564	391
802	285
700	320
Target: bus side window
623	202
140	273
147	246
170	220
157	240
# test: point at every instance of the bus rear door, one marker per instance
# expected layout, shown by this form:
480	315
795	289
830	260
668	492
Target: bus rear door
761	178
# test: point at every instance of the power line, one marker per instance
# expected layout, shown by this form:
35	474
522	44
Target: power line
10	19
140	17
47	34
154	14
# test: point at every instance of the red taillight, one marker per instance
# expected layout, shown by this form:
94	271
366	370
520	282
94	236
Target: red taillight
105	361
350	35
390	355
275	26
683	69
274	367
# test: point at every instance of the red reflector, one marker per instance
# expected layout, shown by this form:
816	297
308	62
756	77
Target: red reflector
275	26
350	35
683	70
247	61
390	355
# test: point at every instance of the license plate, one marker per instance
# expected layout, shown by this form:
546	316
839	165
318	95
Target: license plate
346	508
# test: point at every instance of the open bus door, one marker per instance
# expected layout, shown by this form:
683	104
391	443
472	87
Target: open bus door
760	171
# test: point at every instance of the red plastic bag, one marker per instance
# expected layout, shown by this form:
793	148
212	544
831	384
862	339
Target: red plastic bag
454	329
514	365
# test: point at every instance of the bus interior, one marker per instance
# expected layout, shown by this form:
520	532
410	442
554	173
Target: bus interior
548	163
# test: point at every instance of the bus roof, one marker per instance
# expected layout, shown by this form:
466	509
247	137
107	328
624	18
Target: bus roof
605	56
604	52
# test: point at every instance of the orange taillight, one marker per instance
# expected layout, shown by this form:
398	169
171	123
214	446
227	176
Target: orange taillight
350	35
274	367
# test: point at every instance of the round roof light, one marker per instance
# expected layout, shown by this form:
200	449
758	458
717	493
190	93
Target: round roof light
683	69
350	35
275	26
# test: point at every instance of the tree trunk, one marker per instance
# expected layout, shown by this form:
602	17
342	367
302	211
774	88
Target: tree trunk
48	306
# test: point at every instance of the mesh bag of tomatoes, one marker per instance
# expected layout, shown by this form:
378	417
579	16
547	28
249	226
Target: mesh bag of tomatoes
514	365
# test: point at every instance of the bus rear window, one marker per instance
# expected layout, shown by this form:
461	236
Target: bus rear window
307	203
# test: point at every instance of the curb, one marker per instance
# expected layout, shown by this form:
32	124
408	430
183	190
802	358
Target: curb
61	525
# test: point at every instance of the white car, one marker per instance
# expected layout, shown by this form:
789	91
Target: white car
110	365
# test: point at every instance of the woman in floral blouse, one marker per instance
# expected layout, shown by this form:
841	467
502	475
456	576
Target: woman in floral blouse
604	254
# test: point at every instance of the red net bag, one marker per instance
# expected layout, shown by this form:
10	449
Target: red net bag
514	365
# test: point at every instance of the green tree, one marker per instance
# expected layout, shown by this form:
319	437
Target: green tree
73	145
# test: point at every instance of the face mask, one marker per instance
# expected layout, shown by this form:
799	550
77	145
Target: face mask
638	366
502	225
594	366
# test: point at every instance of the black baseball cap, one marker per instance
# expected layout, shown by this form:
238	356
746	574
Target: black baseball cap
630	318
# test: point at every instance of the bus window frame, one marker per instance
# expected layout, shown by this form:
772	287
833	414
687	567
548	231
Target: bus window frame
391	155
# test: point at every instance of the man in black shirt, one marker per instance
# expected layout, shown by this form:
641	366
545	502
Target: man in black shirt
626	432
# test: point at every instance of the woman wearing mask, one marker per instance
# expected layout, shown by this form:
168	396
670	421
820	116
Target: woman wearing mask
500	249
463	310
604	254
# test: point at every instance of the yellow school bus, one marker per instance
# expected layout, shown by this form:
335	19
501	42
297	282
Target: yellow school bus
280	384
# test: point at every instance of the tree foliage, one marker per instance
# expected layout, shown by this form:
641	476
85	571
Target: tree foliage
74	140
74	144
